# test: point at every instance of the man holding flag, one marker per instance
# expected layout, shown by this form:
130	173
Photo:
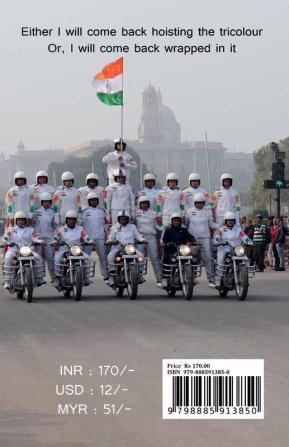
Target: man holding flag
109	89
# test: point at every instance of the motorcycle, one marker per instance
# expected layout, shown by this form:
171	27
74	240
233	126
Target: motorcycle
236	272
73	273
183	270
130	267
23	274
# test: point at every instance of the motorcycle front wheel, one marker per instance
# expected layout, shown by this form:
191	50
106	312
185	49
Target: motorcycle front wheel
242	284
132	287
188	284
119	291
28	284
77	283
20	295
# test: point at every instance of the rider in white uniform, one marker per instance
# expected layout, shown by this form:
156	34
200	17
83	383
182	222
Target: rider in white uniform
170	200
123	233
40	187
195	188
149	190
44	225
21	235
91	186
146	223
199	221
66	198
69	234
93	222
229	232
225	199
119	197
20	198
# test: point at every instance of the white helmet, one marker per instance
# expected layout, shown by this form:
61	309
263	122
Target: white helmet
176	216
91	176
71	214
119	173
92	195
172	176
194	176
143	198
45	196
226	175
20	174
119	140
124	213
67	176
20	214
149	176
199	197
41	174
229	215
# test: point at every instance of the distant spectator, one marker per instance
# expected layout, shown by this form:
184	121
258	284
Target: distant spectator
249	230
259	239
270	253
280	242
274	230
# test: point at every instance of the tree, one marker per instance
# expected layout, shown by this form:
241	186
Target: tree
259	197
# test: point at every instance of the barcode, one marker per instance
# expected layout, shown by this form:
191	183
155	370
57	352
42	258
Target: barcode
216	391
213	389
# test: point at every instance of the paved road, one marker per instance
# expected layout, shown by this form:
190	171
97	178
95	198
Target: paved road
37	338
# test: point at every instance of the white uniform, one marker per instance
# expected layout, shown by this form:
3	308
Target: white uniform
223	200
235	236
20	198
169	201
113	163
20	237
189	194
126	234
151	193
65	199
147	226
38	189
118	197
199	222
93	221
70	236
85	190
44	226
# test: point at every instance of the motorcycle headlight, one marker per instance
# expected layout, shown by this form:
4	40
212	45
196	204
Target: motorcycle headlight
25	251
75	250
129	249
185	250
239	250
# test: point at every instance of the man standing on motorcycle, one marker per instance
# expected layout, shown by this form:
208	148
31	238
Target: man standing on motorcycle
66	198
199	221
93	221
147	226
123	233
44	226
118	197
170	200
69	234
228	234
91	186
119	158
21	235
225	199
20	198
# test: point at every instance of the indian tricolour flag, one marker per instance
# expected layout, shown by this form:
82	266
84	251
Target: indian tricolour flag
108	83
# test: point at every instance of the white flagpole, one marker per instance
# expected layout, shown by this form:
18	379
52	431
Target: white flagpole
54	180
207	158
140	171
121	116
92	167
